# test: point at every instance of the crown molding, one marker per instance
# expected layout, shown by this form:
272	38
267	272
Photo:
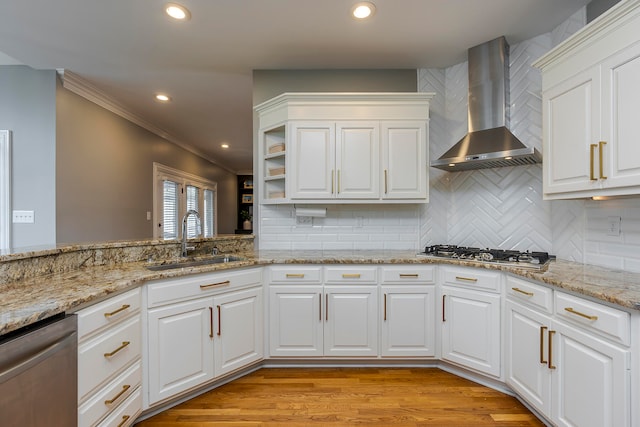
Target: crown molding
80	86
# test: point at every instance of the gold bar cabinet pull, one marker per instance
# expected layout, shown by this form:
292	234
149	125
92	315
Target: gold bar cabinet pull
332	181
550	355
592	177
385	181
351	276
443	305
326	307
542	331
385	307
219	321
408	276
124	344
117	396
113	313
577	313
600	156
466	279
319	306
295	275
210	322
339	181
212	285
530	294
125	418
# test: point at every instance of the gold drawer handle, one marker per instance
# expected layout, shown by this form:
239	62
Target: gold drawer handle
529	294
117	396
466	279
351	276
600	146
586	316
591	161
295	276
542	331
124	344
550	364
408	276
226	282
113	313
125	418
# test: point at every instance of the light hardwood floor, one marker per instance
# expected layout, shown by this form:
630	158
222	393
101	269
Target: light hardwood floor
346	397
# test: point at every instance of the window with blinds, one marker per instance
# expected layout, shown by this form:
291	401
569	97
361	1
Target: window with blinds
176	193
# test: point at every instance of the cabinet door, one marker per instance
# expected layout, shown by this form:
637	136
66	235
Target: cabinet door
571	124
238	332
351	321
404	160
526	356
295	320
471	329
357	160
312	165
621	103
591	381
408	321
180	347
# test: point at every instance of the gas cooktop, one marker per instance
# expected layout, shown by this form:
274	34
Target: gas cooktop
530	260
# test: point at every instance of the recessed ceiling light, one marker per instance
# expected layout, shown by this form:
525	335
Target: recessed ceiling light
162	97
224	145
363	10
177	11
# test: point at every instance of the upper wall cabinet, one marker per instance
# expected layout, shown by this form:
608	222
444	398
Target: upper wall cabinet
591	96
344	148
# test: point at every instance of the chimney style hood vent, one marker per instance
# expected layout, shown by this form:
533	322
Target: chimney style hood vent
489	143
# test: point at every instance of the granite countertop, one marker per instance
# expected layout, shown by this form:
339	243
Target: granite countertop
29	300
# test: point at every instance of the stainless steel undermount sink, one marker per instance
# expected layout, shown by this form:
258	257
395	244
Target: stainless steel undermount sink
170	265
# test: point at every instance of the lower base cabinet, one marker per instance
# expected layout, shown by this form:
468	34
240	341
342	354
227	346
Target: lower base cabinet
193	341
571	377
471	329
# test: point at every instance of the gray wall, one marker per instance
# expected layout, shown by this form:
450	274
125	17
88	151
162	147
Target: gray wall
104	180
596	8
28	109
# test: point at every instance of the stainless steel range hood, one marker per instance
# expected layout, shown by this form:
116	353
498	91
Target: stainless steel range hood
489	143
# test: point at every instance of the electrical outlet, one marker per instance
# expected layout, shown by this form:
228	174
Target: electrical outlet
148	215
304	221
613	225
23	217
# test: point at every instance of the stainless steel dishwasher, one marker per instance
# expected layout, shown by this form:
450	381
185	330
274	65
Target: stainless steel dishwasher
38	375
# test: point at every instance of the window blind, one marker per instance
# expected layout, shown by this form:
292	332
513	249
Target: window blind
209	216
193	228
170	210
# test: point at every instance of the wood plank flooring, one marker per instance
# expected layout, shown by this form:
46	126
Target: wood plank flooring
333	397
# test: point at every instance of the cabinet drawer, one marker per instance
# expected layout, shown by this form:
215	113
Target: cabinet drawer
125	414
606	321
106	354
296	274
351	274
538	296
406	274
172	290
110	396
99	316
472	277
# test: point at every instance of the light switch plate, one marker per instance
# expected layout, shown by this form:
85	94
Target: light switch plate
613	225
23	217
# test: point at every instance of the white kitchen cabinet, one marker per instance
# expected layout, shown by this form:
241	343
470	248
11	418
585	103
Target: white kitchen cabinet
238	337
180	347
591	382
471	329
201	327
109	365
591	91
351	320
526	355
333	148
404	154
408	321
561	364
334	160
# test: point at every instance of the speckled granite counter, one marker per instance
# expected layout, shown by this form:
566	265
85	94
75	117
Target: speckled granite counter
28	299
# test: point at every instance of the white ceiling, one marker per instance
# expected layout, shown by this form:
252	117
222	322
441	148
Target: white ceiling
130	50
